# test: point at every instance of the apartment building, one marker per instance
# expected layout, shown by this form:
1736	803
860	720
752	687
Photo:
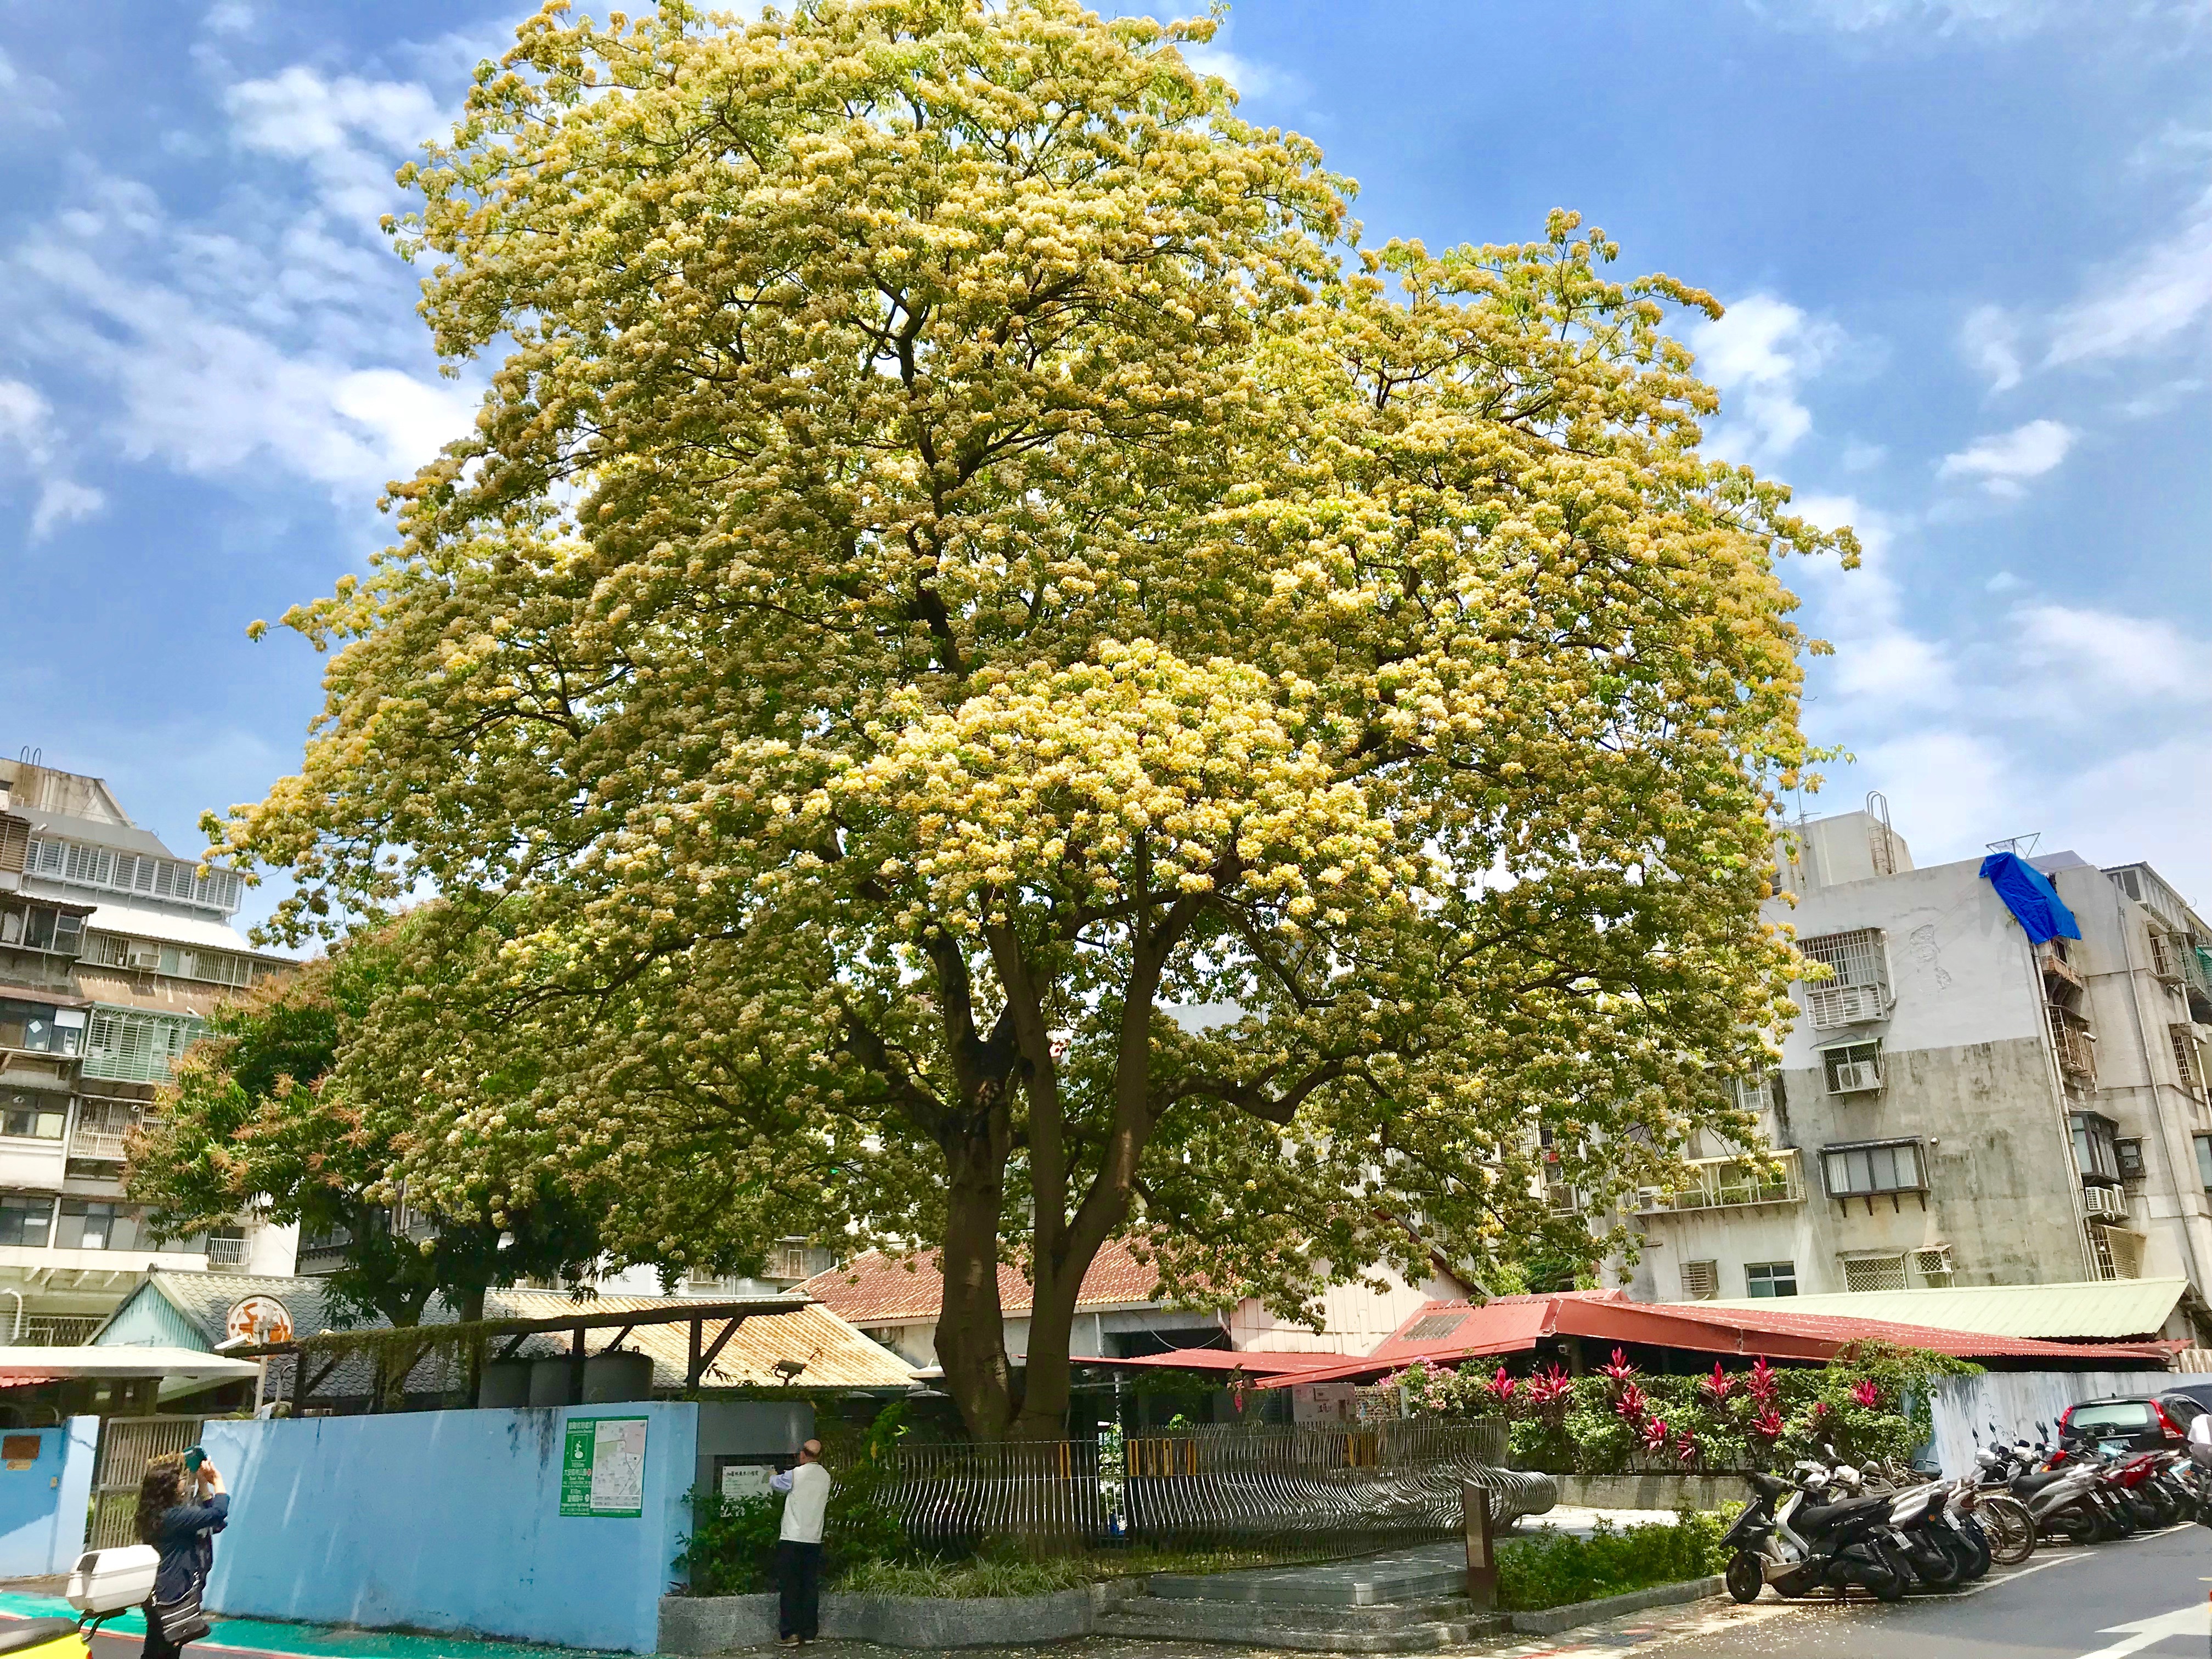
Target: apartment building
112	951
1958	1104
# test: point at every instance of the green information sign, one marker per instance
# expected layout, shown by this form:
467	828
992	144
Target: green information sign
603	1467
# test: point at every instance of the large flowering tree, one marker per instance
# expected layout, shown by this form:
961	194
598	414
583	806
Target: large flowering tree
990	678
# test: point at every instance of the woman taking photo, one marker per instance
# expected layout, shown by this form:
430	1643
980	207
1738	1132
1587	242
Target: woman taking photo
181	1506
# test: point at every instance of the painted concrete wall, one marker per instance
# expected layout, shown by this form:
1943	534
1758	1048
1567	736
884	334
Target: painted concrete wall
2017	1403
448	1521
43	1502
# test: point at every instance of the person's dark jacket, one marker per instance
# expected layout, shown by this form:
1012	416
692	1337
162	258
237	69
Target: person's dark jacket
187	1541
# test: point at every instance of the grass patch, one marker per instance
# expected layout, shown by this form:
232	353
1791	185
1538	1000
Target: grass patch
1553	1569
991	1575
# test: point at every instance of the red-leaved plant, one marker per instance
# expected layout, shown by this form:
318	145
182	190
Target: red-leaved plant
1619	1371
1762	1385
1654	1435
1632	1404
1768	1425
1501	1387
1717	1387
1868	1394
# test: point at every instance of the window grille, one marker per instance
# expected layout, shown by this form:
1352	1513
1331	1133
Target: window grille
1874	1273
2115	1252
132	1046
1857	986
1769	1278
2129	1151
1883	1166
2188	1059
86	866
2076	1045
1933	1266
1752	1094
1701	1281
1853	1068
2166	950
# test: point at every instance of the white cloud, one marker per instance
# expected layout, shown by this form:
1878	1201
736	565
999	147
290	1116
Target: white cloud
2100	654
1950	790
1997	17
1880	665
1757	356
61	502
1251	78
2001	460
2144	302
1989	338
30	100
229	17
1861	457
2003	583
348	130
27	427
222	354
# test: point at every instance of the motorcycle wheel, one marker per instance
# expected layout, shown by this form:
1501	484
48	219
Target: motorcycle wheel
1971	1537
2010	1529
2123	1521
1745	1576
1883	1584
1934	1563
2166	1506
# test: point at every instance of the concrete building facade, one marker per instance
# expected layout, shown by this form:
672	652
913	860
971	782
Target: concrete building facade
1957	1104
112	951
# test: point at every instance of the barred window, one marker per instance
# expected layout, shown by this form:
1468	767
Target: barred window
1882	1166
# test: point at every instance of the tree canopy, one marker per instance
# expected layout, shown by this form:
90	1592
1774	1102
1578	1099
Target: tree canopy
253	1121
991	678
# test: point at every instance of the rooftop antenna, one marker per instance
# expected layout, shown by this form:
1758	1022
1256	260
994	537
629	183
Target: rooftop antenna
2019	845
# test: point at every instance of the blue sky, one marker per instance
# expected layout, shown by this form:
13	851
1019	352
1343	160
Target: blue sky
1966	247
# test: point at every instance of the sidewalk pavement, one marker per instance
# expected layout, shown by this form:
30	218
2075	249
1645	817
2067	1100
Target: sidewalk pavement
123	1635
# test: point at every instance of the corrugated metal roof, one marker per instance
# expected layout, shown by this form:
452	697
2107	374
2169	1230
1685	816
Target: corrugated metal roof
156	993
68	826
109	917
2097	1310
1514	1325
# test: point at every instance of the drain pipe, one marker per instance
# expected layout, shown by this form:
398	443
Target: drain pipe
18	1336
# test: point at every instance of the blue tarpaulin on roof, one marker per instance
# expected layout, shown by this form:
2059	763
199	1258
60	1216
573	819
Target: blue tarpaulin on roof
2028	894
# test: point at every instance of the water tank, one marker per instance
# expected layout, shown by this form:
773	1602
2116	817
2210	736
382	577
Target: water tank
506	1384
549	1381
612	1377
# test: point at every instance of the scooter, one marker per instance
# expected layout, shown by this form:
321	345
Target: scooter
103	1584
1798	1547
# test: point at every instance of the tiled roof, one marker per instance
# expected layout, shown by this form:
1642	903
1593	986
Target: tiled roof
875	1289
835	1355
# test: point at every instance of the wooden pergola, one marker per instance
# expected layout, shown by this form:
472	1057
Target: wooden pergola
317	1357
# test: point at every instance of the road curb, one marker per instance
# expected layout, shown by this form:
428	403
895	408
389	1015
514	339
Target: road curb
1550	1621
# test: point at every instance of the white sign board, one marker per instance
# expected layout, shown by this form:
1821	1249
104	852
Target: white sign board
746	1481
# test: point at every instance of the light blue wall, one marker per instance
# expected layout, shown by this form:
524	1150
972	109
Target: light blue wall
447	1521
42	1508
147	1319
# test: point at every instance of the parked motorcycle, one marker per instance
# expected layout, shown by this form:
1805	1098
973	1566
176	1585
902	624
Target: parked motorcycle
1786	1539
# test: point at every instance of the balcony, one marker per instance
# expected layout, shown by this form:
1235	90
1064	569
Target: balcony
100	1146
2062	975
1728	1183
225	1255
2075	1044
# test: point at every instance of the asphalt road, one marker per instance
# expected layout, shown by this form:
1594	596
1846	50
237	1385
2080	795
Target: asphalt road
2145	1596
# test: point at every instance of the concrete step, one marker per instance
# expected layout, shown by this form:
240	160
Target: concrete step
1421	1627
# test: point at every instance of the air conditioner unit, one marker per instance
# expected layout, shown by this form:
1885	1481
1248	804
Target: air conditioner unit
1845	1005
2105	1203
145	955
1853	1077
1933	1266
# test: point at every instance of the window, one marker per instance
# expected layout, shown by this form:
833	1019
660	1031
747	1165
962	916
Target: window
2204	1160
1852	1068
1701	1281
1857	986
1883	1166
42	927
2096	1149
39	1029
26	1219
2117	1252
91	1225
1765	1279
2130	1149
2188	1060
131	1046
37	1117
1874	1273
1751	1093
86	866
2118	1417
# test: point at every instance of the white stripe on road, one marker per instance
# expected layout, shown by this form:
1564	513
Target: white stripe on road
2194	1620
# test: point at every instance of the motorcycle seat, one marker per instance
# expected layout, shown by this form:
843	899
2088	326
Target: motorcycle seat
1819	1518
2023	1485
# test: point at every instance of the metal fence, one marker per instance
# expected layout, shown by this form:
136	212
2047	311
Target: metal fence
1351	1483
125	1445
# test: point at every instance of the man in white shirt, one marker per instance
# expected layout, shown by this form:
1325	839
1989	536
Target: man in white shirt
798	1552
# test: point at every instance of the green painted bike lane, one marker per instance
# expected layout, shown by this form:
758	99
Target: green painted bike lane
125	1632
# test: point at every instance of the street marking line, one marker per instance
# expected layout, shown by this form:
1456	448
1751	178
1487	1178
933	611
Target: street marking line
2194	1620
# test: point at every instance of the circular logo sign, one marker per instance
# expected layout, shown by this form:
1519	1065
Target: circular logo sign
259	1319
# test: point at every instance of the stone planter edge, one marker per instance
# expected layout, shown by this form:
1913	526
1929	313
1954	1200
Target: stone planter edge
698	1624
1550	1621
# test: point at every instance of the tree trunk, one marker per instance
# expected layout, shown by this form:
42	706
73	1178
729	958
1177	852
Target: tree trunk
971	1333
1052	1328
